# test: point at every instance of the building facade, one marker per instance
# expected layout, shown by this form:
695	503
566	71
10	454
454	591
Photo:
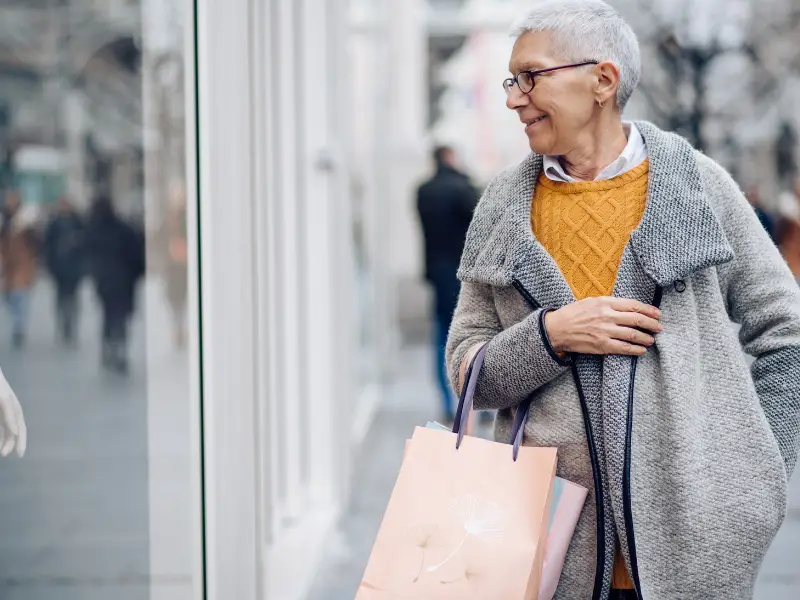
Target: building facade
268	152
305	128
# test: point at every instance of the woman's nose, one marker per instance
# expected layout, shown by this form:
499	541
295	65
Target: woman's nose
516	99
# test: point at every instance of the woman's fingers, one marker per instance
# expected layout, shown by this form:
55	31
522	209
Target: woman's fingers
638	320
632	336
625	349
634	306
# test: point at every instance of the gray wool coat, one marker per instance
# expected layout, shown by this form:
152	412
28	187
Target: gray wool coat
686	451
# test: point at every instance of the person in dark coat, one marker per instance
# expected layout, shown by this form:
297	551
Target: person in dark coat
116	256
64	245
445	204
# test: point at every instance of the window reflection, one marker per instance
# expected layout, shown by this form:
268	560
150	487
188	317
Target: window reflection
93	326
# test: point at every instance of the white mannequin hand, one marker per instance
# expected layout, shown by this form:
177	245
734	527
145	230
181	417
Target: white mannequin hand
13	432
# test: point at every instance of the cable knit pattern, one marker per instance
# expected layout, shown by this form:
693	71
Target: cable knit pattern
585	226
713	442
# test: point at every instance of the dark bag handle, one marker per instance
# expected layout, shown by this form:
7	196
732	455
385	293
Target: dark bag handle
518	428
467	395
466	399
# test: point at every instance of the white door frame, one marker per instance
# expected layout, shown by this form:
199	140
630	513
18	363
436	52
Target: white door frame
232	487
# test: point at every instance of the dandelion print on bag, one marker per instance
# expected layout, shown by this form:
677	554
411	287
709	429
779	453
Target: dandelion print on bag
463	523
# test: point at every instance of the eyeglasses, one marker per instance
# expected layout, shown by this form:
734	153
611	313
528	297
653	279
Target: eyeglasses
525	80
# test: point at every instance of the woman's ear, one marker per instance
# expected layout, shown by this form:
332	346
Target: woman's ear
607	82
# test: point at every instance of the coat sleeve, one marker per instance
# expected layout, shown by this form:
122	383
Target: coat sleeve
764	299
519	359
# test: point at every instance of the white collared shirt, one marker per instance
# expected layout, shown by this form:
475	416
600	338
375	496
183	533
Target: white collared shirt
633	155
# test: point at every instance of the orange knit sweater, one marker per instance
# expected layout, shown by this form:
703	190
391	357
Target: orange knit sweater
585	227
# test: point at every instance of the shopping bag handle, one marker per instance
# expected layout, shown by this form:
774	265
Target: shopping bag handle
518	427
467	395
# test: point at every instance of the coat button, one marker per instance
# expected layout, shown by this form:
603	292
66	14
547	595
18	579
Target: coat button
680	286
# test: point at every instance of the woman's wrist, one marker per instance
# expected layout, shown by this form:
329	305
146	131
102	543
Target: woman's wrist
554	350
551	328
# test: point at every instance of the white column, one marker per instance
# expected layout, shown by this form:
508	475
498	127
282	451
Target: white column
404	126
233	503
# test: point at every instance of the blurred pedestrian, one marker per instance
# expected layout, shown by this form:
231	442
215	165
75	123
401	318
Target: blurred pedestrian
603	272
790	229
445	204
19	243
116	257
173	233
65	253
767	220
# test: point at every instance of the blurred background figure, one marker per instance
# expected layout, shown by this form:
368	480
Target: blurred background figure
790	229
64	250
116	257
767	219
173	233
18	247
445	204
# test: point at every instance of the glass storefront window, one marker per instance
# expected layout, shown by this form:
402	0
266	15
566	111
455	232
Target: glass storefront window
94	334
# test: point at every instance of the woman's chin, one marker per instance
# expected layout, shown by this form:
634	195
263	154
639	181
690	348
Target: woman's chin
538	145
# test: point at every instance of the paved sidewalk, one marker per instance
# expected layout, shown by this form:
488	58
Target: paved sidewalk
412	401
79	514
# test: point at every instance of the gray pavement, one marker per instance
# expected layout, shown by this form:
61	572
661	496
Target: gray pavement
412	401
75	512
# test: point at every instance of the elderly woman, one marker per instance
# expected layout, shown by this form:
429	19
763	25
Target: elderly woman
604	272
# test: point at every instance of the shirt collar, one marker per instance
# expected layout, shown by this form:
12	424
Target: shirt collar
632	156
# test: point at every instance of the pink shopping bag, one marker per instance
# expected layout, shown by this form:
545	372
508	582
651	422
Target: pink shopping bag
566	506
467	518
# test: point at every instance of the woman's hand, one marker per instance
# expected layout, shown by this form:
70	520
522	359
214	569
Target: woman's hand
604	326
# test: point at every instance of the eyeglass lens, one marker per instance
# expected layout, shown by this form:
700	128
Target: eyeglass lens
524	81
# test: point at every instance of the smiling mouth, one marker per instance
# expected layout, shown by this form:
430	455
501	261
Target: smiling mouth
535	121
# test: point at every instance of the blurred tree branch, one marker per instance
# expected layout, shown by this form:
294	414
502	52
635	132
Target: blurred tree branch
687	61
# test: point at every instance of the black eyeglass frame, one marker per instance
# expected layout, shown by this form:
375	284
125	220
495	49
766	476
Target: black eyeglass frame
508	83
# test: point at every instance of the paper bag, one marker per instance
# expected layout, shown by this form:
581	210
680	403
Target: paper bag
467	519
566	506
565	510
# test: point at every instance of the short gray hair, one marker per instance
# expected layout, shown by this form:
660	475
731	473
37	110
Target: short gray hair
588	30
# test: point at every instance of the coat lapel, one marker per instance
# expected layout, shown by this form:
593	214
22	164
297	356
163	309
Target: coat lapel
500	246
679	232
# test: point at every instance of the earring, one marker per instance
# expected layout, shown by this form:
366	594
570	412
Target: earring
600	103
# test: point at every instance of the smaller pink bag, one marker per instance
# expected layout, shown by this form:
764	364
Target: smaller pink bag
565	510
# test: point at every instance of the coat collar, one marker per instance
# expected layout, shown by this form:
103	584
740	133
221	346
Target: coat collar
678	235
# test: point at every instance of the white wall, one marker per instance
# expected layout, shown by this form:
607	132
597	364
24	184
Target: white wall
283	362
